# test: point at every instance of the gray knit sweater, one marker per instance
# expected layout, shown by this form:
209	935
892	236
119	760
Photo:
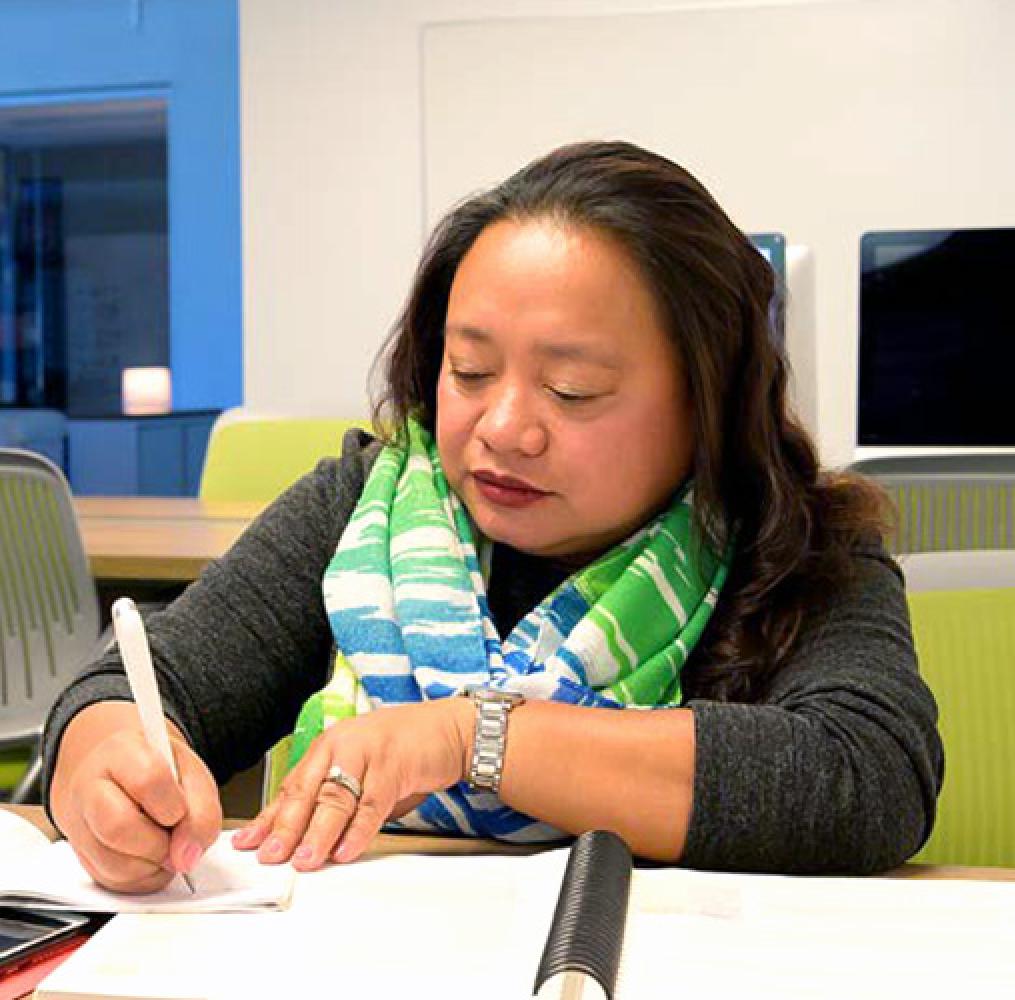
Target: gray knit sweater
837	770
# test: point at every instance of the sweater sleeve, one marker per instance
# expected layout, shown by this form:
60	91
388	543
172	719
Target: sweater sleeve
241	649
838	769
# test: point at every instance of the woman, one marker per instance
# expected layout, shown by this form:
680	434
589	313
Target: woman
595	498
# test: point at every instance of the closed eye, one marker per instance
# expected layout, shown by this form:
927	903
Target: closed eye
566	396
469	377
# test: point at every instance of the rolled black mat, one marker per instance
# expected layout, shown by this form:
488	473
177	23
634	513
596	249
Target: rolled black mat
587	933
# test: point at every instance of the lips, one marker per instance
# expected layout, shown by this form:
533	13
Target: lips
506	482
506	491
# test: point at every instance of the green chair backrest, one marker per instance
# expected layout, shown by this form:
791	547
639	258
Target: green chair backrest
258	458
965	640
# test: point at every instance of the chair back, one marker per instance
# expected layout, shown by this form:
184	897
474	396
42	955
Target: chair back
49	613
257	458
965	641
958	570
276	766
952	512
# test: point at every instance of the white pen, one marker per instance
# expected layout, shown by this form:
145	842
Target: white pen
137	659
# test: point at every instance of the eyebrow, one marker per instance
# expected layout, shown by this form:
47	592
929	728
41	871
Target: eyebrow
557	350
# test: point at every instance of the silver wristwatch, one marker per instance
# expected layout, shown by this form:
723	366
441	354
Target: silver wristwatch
492	708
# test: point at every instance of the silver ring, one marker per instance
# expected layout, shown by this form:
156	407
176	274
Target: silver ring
337	776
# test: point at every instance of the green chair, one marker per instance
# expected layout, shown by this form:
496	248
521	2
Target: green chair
257	458
965	640
276	763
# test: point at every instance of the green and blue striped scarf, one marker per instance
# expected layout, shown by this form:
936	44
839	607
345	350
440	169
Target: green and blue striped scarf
405	595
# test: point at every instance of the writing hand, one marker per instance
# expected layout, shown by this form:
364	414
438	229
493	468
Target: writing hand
398	754
132	826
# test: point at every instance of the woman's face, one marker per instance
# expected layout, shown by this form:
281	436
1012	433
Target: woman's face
563	417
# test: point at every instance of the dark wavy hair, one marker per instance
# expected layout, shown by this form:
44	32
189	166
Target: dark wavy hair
754	465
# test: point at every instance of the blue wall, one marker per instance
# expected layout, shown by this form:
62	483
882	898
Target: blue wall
188	51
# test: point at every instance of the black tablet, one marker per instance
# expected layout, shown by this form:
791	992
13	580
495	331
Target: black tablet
24	931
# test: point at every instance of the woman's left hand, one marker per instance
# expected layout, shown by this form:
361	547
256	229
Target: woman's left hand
398	755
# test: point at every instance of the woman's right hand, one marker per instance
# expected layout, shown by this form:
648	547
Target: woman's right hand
114	798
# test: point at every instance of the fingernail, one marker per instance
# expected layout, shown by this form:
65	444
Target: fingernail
273	848
247	836
340	852
190	856
305	853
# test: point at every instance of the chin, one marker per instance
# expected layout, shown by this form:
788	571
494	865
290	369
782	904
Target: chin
525	531
534	545
494	528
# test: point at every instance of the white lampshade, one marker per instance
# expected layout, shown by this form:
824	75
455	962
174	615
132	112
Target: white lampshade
146	390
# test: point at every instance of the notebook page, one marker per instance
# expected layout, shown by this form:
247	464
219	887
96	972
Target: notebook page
467	926
225	880
827	938
151	956
19	837
474	924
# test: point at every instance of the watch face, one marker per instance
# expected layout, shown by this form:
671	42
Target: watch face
480	692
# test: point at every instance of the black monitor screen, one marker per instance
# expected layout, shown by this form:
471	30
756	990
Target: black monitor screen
937	338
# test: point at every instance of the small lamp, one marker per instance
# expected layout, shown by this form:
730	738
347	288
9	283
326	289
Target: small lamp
146	391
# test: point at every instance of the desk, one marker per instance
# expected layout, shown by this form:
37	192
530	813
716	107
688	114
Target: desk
414	926
158	539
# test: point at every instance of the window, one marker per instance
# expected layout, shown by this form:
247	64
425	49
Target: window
84	261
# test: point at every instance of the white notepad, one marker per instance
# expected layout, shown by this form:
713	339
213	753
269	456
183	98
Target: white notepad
35	872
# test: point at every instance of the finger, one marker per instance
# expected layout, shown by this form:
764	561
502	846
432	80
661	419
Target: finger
146	777
374	808
112	818
253	834
201	825
336	806
117	871
120	873
296	805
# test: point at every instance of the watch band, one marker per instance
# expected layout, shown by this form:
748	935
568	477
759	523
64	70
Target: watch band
490	740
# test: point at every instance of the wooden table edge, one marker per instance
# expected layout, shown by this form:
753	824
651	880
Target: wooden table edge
387	844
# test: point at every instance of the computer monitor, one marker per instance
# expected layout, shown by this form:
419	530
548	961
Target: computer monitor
937	338
772	246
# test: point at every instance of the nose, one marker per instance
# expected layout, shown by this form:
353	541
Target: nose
510	422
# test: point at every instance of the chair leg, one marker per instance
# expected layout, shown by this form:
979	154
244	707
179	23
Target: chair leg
29	788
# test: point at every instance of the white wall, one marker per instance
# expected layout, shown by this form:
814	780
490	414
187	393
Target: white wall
820	118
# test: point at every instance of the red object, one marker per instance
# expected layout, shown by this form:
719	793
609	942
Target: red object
20	978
